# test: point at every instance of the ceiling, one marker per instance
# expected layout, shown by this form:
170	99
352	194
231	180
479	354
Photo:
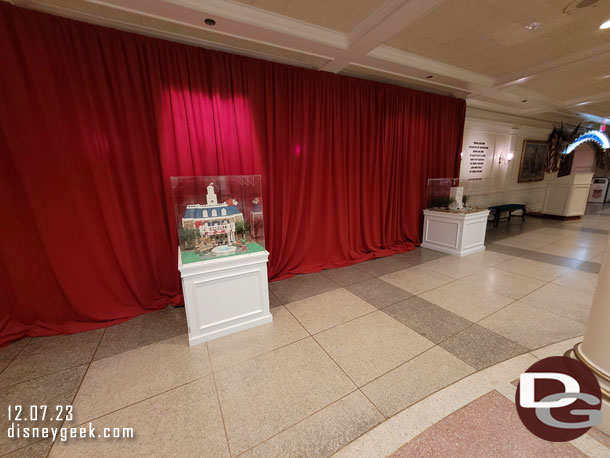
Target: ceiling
479	50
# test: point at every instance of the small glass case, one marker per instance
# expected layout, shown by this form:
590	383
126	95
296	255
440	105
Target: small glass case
457	195
218	216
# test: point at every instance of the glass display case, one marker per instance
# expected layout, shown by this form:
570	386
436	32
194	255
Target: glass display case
456	195
218	216
455	220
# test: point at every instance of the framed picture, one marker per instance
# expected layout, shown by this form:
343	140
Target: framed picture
533	161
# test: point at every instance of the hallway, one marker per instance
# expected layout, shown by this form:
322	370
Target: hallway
358	361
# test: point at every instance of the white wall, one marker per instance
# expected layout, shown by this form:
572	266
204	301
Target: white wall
510	132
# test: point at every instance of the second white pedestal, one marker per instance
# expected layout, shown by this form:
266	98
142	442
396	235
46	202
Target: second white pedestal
455	233
567	196
225	295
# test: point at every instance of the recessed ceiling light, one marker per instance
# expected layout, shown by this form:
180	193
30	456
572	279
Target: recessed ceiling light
605	25
209	21
533	26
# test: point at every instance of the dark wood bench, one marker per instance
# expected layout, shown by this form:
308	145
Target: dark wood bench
497	211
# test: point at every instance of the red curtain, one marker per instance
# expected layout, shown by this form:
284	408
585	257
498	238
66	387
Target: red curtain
94	121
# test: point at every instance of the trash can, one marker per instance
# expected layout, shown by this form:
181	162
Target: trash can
599	190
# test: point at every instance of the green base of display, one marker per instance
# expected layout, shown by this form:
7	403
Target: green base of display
189	257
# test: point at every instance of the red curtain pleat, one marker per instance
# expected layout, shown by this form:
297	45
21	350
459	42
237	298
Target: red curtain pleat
94	122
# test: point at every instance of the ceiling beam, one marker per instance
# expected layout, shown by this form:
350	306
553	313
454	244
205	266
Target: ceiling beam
579	58
263	20
363	46
387	20
240	21
429	66
600	97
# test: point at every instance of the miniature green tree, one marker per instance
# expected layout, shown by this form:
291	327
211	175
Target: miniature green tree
190	237
240	228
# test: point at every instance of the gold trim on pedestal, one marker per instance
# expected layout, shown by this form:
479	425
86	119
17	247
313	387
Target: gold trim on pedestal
580	357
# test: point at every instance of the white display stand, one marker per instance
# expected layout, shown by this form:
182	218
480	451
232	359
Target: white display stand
455	233
567	196
225	295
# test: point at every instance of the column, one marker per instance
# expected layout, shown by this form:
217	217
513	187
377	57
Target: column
595	348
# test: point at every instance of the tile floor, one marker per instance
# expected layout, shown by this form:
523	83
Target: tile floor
349	352
479	429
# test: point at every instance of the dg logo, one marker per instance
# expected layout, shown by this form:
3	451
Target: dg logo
559	399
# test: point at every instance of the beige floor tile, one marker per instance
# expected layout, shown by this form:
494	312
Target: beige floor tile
601	437
597	254
382	266
534	269
412	381
371	345
143	330
241	346
301	286
57	389
556	349
523	242
504	283
577	279
10	352
346	276
124	379
453	266
182	422
384	439
326	310
548	235
568	302
571	251
333	427
420	256
36	450
487	427
273	300
487	258
417	279
580	236
532	327
599	258
45	355
465	300
583	241
263	396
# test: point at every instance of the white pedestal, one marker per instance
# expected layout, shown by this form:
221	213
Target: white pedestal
225	295
455	233
567	196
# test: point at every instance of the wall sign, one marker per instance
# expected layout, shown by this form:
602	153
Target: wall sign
478	152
